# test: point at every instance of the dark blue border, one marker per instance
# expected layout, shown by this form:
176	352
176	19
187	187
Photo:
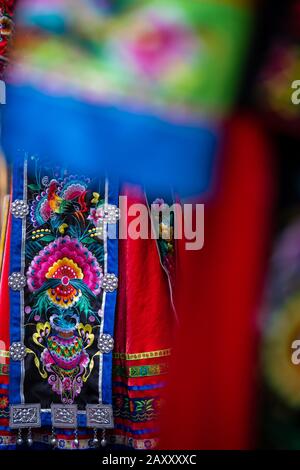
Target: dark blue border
15	266
111	299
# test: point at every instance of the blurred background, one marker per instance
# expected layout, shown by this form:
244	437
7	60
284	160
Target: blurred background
196	95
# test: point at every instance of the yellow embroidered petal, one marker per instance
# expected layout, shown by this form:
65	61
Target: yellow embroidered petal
96	197
64	262
62	228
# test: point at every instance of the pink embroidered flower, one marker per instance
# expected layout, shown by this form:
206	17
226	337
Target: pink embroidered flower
67	383
97	215
72	187
156	42
65	259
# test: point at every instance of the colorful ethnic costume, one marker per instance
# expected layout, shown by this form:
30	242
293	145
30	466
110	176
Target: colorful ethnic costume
91	317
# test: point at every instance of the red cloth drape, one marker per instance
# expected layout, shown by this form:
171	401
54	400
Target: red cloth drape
143	328
210	404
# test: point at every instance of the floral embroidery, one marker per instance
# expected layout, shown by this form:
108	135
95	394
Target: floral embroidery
66	267
64	270
166	241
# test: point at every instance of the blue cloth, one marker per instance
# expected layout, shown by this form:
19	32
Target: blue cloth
134	147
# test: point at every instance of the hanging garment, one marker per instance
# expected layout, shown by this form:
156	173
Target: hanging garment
82	356
7	439
219	302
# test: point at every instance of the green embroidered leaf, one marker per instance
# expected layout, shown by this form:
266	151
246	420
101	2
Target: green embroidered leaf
98	251
41	305
83	306
32	247
163	246
80	285
66	207
49	284
56	221
149	404
75	230
140	404
48	238
87	240
34	187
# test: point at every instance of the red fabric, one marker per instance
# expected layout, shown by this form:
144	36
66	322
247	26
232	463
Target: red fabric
4	332
143	320
211	396
4	295
143	325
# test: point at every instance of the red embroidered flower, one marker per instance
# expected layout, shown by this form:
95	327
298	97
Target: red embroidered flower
3	402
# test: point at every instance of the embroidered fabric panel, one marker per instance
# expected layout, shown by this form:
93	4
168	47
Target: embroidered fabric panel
139	381
62	302
165	56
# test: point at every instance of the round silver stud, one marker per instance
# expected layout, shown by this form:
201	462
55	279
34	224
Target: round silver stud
103	442
105	343
19	209
111	214
76	440
29	438
17	351
53	441
17	281
109	282
95	440
19	440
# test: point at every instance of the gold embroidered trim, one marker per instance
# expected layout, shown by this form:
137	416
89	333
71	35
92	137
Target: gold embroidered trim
140	371
4	353
142	355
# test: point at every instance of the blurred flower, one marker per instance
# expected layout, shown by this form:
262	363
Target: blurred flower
282	375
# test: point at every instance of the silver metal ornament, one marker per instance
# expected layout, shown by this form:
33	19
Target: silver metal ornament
17	281
19	209
109	282
17	351
105	343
